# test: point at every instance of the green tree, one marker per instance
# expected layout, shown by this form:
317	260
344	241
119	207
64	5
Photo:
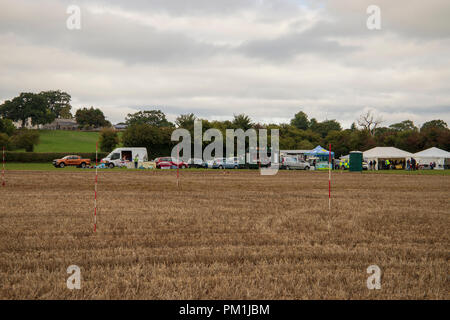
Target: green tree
155	118
91	118
340	141
361	140
406	125
59	103
27	105
300	121
409	140
440	124
156	140
186	121
7	126
4	141
108	139
436	136
25	139
304	145
241	121
326	126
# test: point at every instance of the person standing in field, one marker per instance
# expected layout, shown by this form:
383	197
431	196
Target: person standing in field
413	164
136	161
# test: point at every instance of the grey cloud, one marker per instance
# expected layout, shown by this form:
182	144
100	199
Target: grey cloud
416	19
131	43
119	64
104	36
291	45
199	7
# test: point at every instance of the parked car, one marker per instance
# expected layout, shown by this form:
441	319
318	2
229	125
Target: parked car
226	163
72	160
197	163
365	166
294	163
173	162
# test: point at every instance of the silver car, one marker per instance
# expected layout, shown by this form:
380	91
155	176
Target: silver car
291	163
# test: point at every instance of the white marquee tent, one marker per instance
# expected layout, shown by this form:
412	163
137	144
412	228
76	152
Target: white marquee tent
380	154
441	157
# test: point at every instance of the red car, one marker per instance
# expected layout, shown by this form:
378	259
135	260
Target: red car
170	162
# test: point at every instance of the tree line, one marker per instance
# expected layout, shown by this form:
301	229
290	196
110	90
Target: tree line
152	129
40	109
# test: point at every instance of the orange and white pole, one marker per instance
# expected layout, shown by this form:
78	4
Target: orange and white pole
3	168
95	188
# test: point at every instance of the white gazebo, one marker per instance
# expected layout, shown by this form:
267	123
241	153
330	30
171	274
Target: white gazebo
381	154
439	156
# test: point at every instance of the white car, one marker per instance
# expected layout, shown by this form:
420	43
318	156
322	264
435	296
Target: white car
294	163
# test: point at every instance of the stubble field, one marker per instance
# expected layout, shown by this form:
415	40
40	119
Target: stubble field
236	235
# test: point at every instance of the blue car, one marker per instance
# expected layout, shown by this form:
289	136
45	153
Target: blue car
224	163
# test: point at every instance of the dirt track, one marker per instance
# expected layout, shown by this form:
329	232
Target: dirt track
224	236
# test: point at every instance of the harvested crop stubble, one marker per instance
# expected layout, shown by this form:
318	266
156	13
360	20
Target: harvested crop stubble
233	236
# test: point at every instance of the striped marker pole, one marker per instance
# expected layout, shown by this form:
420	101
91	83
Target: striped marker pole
95	189
3	168
329	179
178	167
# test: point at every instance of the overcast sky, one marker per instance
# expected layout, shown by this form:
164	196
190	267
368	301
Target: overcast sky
266	58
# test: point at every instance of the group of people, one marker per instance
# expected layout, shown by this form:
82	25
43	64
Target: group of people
128	159
372	165
412	164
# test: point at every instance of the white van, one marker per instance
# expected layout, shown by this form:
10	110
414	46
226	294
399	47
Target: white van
121	156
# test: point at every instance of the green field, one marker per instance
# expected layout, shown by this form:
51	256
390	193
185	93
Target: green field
44	167
67	141
35	166
50	167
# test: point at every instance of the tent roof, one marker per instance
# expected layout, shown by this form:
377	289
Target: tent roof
433	153
319	151
386	152
295	151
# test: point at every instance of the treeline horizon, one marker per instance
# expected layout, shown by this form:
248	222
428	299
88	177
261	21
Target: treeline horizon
150	128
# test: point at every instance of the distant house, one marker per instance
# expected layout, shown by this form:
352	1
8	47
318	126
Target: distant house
120	126
28	124
62	124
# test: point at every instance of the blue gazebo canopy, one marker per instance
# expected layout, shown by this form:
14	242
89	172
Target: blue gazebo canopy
319	151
